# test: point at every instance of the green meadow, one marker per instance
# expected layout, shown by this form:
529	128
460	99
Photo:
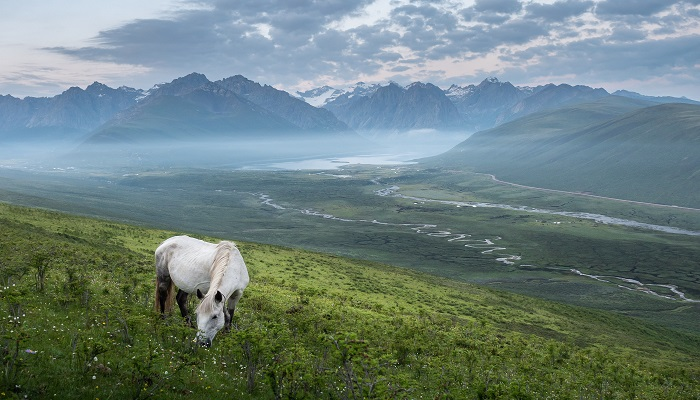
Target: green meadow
77	321
630	271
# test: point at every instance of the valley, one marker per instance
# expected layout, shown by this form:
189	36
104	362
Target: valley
571	219
488	199
460	225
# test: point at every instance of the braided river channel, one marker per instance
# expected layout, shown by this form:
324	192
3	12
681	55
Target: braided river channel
500	253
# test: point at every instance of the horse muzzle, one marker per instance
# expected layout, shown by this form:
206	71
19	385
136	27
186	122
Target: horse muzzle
203	341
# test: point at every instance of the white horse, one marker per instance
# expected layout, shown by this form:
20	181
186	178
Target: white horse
195	265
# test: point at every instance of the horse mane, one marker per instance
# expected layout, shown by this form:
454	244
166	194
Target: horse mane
216	274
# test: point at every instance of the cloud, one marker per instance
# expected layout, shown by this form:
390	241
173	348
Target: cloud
558	12
286	43
632	7
498	6
598	62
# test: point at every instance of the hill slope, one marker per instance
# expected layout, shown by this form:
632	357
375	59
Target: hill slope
79	295
613	147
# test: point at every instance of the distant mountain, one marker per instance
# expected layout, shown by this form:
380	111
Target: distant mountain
392	108
180	86
479	107
190	108
655	99
618	147
484	105
320	97
550	97
65	117
373	109
194	108
281	103
193	121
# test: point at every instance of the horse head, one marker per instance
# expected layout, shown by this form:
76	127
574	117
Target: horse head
210	317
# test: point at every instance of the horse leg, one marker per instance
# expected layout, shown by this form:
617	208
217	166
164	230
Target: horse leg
164	283
182	303
228	315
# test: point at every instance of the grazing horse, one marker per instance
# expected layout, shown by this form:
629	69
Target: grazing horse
197	266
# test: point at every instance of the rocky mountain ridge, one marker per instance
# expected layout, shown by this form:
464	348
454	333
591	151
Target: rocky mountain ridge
482	106
371	109
66	116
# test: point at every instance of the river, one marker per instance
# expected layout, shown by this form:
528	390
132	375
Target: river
490	245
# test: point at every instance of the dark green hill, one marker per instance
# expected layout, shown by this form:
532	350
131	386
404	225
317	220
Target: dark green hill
613	147
78	322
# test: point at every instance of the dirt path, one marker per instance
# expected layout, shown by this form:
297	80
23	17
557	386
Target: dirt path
493	177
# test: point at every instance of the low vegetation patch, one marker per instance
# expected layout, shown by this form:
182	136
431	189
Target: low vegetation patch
77	321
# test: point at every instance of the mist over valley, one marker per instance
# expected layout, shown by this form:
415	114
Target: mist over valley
468	199
127	154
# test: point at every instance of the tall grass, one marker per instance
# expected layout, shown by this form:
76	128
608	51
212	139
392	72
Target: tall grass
309	326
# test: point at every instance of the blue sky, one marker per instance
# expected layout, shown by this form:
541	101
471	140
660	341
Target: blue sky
648	46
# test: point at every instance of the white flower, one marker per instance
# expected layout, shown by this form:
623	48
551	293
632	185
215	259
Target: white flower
94	377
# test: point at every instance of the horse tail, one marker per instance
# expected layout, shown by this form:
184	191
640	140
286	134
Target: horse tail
164	285
169	297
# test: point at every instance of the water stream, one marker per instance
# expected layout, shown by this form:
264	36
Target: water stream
603	219
490	246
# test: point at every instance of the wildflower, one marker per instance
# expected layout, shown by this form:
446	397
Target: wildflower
94	377
30	351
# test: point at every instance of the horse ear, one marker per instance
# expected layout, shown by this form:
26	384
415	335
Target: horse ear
199	294
219	297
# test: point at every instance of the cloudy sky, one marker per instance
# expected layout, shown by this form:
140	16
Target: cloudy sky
648	46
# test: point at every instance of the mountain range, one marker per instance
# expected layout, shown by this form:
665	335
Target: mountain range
192	106
67	116
542	131
622	147
482	106
394	108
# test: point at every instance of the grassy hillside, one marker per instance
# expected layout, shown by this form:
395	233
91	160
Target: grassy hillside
78	322
232	204
609	148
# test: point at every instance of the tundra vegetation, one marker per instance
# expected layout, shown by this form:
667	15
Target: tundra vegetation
77	321
333	211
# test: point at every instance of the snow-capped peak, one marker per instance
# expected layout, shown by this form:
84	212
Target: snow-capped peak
320	96
459	91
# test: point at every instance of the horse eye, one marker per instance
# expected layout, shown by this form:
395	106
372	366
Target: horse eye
215	317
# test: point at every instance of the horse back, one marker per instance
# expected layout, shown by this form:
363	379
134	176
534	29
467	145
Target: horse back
187	261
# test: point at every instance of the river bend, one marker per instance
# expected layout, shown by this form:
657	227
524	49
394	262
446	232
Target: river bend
490	246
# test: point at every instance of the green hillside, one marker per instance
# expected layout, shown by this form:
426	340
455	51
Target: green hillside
611	148
78	322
